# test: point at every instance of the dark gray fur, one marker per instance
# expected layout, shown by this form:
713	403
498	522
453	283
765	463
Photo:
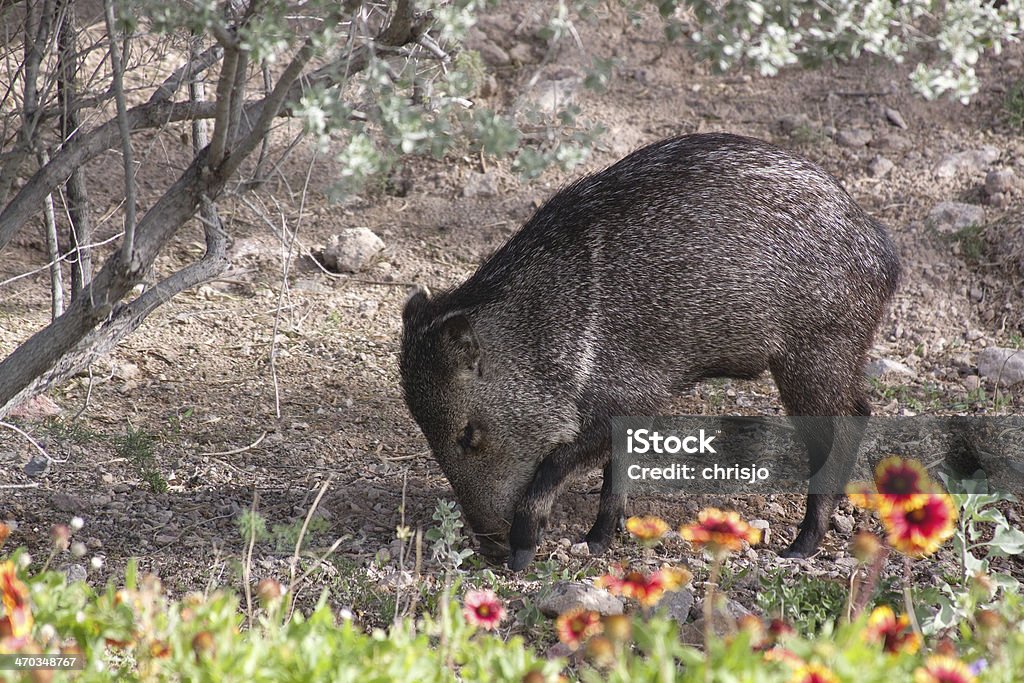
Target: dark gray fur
700	256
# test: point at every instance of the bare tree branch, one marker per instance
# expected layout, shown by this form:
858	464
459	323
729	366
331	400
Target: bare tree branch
53	251
117	80
76	197
222	117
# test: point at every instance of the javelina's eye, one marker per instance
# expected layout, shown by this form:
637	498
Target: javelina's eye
468	438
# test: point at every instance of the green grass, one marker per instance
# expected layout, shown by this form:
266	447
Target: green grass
137	447
1013	105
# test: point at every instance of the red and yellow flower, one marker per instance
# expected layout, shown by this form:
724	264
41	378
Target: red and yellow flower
902	482
943	669
17	620
814	673
647	589
648	529
893	632
576	625
674	578
719	532
920	529
484	609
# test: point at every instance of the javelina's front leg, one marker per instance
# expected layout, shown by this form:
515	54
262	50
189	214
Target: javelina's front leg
589	450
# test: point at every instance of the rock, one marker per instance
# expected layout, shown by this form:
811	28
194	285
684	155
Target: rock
580	550
677	605
998	199
765	529
75	572
880	167
521	53
853	137
843	523
368	308
893	141
949	217
999	181
884	366
65	502
972	383
848	563
493	54
565	595
971	161
481	185
894	117
791	123
553	95
352	250
37	466
36	408
1002	365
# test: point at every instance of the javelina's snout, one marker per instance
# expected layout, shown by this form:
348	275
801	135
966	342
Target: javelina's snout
701	256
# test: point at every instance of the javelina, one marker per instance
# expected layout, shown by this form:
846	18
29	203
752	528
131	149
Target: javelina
700	256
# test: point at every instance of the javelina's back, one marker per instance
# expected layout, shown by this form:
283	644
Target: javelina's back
699	256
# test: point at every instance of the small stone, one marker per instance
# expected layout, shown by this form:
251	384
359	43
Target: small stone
36	408
481	185
352	250
847	562
999	199
493	54
1002	365
677	605
521	53
565	595
974	335
894	117
880	167
949	217
791	123
853	137
553	95
972	383
885	366
64	502
843	523
580	549
971	161
999	181
368	308
75	572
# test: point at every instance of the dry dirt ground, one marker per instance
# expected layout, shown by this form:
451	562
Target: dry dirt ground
195	387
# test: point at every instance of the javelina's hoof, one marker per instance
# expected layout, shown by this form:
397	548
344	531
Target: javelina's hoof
805	545
599	540
520	559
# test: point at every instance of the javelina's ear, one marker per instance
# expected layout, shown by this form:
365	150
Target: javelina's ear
416	305
463	340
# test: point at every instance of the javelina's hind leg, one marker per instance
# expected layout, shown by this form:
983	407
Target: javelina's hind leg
533	510
823	395
610	514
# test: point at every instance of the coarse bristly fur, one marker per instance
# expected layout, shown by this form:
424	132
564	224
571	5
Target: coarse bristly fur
700	256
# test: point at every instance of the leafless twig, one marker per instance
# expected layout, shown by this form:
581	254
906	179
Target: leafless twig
117	80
